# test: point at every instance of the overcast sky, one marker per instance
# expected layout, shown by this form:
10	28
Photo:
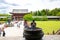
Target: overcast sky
32	5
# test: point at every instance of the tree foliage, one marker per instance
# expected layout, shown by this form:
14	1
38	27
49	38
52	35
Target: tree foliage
28	17
47	12
7	16
58	14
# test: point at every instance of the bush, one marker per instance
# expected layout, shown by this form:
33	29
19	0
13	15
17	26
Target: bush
37	19
44	18
28	17
3	19
58	14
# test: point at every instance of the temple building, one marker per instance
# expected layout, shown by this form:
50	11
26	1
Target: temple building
17	14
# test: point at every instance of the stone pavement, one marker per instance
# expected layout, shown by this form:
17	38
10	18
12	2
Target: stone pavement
51	37
46	37
14	31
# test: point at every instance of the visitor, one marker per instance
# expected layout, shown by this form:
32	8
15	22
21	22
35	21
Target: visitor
26	24
2	27
19	23
33	24
0	31
3	32
9	22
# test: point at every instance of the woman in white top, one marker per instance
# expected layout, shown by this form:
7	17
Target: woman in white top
19	23
2	27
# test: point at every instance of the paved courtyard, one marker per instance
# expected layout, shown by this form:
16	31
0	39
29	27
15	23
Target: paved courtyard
15	33
46	37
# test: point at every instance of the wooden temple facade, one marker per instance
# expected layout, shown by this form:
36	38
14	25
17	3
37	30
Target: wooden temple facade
17	14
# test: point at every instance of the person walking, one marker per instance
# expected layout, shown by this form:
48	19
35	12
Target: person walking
3	32
19	23
9	22
0	31
26	24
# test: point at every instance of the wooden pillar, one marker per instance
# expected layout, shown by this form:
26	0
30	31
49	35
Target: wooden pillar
14	18
17	18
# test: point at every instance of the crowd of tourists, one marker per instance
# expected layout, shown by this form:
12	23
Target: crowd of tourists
31	25
17	23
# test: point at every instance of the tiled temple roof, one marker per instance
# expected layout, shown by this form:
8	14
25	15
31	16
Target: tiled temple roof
20	11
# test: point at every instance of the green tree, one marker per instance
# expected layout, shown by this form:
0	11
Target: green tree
55	11
58	14
28	17
32	13
44	18
35	13
47	12
39	13
37	19
43	12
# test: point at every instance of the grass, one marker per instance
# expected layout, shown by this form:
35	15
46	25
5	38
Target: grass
48	26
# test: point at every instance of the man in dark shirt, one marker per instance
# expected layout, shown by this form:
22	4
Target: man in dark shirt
33	24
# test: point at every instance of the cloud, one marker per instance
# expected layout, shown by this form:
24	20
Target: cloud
31	5
3	1
54	0
5	7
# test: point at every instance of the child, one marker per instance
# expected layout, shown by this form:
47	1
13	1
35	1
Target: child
0	31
